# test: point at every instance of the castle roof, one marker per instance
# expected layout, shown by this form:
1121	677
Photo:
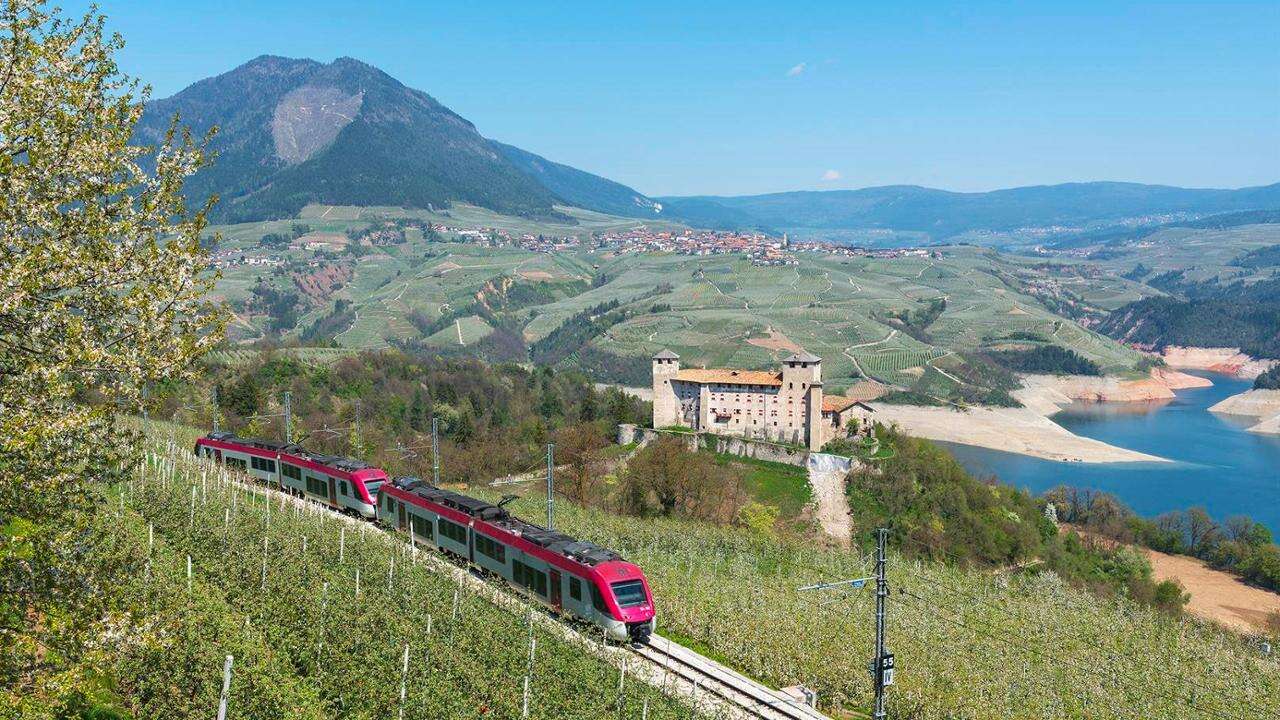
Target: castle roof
665	354
730	376
803	356
840	403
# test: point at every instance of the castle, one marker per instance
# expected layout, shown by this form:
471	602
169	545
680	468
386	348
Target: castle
783	406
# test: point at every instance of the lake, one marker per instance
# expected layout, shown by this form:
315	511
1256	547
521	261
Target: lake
1217	464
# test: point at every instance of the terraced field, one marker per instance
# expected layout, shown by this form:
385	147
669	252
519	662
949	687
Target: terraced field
713	310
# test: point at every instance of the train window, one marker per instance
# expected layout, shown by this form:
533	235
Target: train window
342	487
421	526
390	503
237	463
263	464
575	588
453	531
597	601
316	486
491	548
290	471
528	577
629	593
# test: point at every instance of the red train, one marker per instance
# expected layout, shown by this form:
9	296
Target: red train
341	483
571	576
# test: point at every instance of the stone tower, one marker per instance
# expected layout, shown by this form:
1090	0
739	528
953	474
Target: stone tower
666	406
802	381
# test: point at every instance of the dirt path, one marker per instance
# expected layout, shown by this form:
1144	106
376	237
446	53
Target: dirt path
826	478
886	338
1216	595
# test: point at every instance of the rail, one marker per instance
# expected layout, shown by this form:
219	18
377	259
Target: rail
702	677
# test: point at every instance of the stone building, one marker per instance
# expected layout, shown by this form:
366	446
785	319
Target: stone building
784	406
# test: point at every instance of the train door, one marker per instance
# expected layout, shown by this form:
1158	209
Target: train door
555	589
217	455
402	521
333	492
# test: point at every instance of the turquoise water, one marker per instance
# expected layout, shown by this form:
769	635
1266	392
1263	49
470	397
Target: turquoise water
1217	464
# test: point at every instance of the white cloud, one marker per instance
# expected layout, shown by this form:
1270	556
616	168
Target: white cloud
797	70
831	175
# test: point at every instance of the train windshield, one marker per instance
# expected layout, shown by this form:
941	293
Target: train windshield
372	486
629	593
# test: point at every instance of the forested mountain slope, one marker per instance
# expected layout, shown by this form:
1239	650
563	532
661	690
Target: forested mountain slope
293	132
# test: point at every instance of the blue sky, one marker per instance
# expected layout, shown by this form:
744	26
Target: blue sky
747	97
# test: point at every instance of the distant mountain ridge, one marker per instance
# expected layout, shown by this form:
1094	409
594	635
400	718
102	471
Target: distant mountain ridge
296	131
581	188
942	213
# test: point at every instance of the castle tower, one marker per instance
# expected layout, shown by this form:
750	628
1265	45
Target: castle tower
802	383
666	405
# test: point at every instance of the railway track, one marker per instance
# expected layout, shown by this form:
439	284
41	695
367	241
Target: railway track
704	677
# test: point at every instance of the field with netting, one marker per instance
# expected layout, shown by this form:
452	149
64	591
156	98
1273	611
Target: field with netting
327	617
968	643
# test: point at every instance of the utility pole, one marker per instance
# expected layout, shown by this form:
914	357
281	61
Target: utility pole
551	487
215	408
435	450
288	417
882	665
359	437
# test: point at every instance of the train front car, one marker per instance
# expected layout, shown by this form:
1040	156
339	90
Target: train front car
365	486
571	576
628	612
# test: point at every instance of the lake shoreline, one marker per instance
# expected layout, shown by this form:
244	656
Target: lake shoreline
1030	430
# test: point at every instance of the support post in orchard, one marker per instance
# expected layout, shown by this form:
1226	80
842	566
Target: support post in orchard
226	688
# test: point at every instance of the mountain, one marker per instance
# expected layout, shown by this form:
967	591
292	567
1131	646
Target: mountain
580	188
942	214
293	132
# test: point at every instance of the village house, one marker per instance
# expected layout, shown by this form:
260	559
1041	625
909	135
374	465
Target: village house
787	405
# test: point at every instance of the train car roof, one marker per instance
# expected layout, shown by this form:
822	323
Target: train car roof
557	542
334	461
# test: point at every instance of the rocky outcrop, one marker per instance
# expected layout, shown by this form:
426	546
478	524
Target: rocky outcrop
1229	361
